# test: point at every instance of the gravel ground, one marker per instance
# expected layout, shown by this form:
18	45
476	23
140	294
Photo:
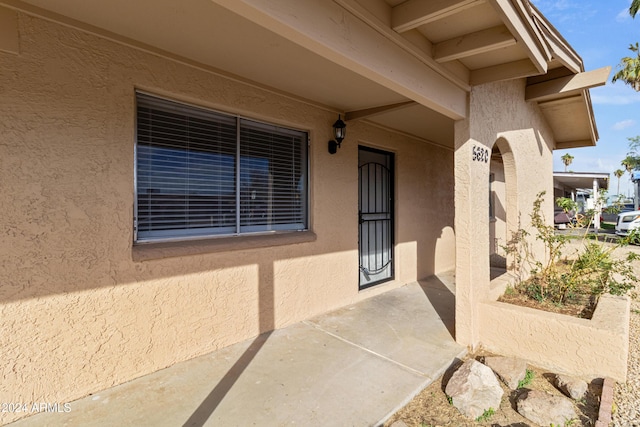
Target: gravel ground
431	407
626	397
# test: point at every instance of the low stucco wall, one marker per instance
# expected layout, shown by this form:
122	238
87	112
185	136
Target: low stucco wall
82	309
593	348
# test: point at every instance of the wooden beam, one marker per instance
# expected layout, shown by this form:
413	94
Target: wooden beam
9	37
508	71
414	13
574	144
413	42
368	112
515	16
566	100
559	48
566	86
328	30
473	44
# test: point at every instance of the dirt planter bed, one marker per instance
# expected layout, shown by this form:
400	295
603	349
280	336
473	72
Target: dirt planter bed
589	348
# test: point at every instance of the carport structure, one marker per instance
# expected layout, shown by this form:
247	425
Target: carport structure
568	184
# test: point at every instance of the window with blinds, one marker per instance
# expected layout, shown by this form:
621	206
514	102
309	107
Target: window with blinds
202	173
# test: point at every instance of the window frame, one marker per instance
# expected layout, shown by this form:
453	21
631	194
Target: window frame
186	234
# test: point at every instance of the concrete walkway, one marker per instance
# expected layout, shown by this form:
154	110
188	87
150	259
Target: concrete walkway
352	367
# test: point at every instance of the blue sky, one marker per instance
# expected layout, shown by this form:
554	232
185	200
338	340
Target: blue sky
601	32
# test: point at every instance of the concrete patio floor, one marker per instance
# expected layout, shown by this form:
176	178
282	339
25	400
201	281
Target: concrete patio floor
352	367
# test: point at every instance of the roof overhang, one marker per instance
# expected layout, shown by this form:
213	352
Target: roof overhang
580	180
563	92
394	63
565	103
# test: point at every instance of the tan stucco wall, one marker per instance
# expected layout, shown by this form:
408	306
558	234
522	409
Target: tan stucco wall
78	313
590	348
499	115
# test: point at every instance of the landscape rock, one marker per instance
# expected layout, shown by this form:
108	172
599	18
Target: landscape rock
545	409
473	389
509	369
575	388
399	423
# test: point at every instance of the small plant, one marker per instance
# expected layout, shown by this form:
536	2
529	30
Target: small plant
486	415
527	379
509	290
450	400
592	270
568	423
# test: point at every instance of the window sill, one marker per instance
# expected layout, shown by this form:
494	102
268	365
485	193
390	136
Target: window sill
151	251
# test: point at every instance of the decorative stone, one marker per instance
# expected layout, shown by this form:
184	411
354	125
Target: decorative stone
546	409
573	387
474	389
509	369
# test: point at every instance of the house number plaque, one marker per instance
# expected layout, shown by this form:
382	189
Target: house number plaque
480	154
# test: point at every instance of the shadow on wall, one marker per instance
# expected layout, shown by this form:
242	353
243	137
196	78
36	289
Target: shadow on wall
445	251
436	205
497	235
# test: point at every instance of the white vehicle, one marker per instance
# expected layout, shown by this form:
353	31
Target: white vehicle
627	222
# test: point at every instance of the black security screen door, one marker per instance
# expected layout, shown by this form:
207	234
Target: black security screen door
375	206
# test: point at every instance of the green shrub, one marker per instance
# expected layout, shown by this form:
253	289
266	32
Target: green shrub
594	271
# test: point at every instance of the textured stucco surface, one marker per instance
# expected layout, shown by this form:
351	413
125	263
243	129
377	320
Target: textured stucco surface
79	314
594	348
498	115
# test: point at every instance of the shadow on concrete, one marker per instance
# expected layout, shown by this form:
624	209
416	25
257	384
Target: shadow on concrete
443	301
211	402
266	315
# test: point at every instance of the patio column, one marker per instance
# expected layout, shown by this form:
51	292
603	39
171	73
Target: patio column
471	160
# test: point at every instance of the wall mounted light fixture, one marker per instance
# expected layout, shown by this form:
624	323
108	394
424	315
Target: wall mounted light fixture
339	132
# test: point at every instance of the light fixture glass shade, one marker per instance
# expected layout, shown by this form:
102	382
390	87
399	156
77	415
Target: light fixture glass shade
339	130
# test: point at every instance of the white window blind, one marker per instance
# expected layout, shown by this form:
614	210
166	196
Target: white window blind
202	173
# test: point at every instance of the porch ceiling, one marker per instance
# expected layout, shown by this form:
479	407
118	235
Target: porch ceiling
360	57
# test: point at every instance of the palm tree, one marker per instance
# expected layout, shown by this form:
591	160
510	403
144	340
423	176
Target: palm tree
618	174
628	163
629	71
629	66
633	9
568	158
